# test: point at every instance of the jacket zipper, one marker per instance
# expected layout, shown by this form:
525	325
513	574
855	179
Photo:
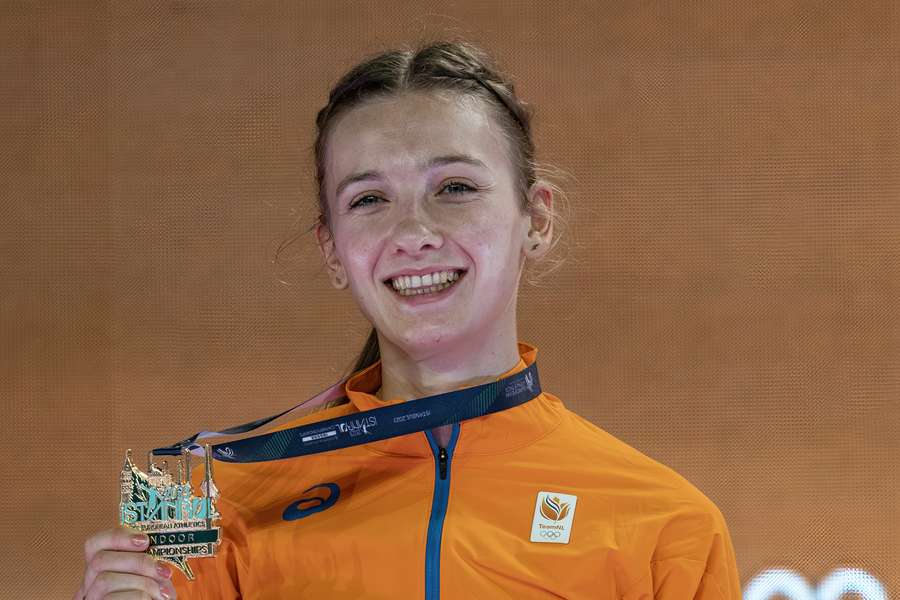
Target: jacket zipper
440	497
442	458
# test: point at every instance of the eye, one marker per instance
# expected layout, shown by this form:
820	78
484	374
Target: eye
359	201
459	184
460	188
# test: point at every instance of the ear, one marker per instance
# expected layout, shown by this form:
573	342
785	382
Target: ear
540	203
329	257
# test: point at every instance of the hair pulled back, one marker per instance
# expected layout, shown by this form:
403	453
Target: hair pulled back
442	66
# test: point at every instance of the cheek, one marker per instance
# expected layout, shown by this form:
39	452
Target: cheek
492	251
357	255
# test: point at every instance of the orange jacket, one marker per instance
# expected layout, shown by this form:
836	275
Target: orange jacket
534	502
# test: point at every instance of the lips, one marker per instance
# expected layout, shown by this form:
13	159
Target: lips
460	275
420	272
436	294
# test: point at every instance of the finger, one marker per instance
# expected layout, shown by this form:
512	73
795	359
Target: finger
136	563
167	590
110	582
133	595
115	539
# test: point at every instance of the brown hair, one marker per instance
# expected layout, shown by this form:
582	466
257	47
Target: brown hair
455	66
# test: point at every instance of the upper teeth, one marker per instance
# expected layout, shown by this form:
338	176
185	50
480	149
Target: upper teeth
406	282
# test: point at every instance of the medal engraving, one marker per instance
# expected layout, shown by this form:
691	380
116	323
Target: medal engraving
179	524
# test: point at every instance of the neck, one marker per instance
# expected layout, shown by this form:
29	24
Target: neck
445	368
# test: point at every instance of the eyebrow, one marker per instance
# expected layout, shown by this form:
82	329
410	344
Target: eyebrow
437	161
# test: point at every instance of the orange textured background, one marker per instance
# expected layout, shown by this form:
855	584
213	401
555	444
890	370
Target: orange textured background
728	305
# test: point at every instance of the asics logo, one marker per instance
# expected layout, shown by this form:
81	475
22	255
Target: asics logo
313	504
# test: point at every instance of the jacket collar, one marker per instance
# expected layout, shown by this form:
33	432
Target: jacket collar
489	434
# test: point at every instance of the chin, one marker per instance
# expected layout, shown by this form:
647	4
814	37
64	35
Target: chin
424	340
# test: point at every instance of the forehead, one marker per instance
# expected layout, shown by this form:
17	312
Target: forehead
394	135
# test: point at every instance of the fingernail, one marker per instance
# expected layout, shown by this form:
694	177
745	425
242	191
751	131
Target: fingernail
163	570
165	593
139	540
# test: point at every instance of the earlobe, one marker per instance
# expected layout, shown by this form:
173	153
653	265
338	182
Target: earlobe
541	222
337	274
329	257
338	280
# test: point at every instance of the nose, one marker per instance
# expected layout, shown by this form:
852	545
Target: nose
415	233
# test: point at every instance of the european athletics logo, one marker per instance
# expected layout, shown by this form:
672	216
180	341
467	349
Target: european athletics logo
519	385
307	506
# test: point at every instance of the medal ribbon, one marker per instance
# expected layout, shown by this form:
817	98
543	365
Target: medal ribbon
366	426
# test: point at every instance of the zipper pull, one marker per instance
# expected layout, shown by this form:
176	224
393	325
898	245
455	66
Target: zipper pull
442	462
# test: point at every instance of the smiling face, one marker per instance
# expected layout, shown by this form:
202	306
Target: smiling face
424	182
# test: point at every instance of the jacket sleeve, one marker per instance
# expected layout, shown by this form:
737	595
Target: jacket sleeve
694	560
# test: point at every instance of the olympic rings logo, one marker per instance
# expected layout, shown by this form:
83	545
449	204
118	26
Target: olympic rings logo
792	585
551	534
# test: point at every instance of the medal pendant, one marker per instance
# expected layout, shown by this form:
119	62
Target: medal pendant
179	524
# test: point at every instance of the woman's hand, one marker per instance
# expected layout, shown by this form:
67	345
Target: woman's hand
116	568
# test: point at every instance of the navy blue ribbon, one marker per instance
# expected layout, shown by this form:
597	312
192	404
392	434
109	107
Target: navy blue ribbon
370	425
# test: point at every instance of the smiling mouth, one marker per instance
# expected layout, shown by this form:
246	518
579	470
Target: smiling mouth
406	286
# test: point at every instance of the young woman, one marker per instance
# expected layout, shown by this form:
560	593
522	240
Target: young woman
430	208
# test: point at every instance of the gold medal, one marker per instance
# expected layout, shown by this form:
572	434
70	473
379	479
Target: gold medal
179	524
